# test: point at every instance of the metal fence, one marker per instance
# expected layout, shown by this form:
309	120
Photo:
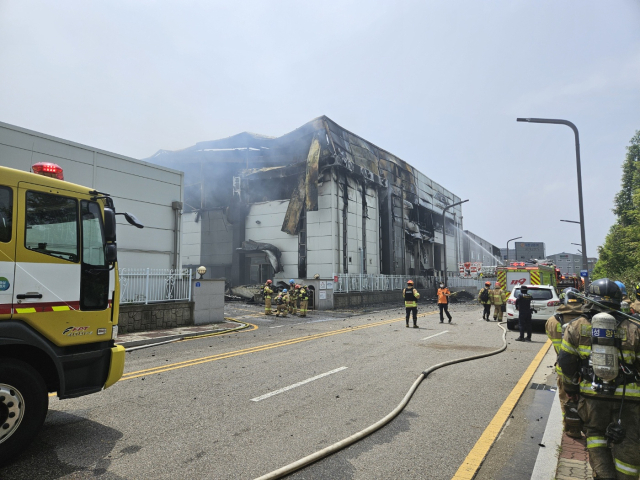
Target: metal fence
147	285
353	282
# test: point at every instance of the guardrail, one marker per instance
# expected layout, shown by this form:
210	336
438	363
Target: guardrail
353	282
149	285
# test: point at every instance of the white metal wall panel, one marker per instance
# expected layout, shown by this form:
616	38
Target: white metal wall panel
142	188
271	215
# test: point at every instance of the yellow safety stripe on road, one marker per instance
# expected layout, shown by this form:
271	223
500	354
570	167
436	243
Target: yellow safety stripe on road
259	348
476	456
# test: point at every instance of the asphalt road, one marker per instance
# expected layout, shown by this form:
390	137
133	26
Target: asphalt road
193	409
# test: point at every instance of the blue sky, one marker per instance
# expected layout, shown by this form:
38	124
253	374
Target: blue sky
439	84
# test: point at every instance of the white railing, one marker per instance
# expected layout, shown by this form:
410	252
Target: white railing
353	282
147	285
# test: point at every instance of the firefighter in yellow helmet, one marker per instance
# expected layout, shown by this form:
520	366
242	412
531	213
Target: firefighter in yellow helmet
303	295
569	310
293	300
635	305
600	361
411	296
498	299
267	292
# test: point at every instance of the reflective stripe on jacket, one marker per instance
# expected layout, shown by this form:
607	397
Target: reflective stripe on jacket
411	297
498	296
576	342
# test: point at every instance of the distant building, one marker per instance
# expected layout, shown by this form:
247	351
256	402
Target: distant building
523	251
571	263
477	249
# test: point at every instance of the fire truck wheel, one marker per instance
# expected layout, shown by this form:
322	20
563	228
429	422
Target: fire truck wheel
511	325
24	401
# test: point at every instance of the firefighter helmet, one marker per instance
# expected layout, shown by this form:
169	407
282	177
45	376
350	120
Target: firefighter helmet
498	284
605	292
487	284
297	286
623	288
291	281
567	296
269	282
284	290
409	282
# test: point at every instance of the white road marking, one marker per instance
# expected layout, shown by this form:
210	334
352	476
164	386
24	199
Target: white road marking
276	392
427	338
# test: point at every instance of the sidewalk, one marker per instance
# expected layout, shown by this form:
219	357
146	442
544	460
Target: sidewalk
573	463
139	339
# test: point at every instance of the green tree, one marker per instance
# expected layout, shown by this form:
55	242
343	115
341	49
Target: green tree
619	257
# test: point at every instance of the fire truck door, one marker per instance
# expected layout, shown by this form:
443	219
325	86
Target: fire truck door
7	249
46	290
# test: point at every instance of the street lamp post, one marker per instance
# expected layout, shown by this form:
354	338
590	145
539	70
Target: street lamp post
585	263
444	235
510	240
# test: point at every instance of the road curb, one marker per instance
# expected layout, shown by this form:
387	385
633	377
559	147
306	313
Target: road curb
548	456
173	338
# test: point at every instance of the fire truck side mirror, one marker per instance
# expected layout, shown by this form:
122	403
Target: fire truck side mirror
109	225
111	253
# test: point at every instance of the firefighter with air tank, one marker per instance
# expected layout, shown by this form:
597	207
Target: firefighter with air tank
569	310
600	361
303	295
282	303
498	299
411	297
267	292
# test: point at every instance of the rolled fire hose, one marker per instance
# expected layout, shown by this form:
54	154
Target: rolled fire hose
331	449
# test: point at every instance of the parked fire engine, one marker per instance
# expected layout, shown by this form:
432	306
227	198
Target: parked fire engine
59	296
526	273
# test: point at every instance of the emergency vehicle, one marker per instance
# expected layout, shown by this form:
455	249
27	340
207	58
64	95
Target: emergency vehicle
526	273
59	295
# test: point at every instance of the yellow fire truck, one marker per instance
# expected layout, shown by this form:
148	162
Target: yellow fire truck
526	273
59	296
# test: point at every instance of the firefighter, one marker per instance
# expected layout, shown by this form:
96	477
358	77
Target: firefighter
498	299
569	310
523	306
411	296
635	306
267	292
293	299
626	301
303	295
600	359
443	302
282	301
484	297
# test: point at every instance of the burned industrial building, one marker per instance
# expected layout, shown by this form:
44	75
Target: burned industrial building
319	201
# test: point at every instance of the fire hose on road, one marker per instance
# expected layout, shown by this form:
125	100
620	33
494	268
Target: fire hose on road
331	449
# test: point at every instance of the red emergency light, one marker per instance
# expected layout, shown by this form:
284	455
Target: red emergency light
47	169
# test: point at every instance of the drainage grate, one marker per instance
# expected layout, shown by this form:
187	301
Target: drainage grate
542	386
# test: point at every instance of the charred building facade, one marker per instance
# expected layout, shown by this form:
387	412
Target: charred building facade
319	200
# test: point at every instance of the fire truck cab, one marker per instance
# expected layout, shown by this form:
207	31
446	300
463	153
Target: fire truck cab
59	295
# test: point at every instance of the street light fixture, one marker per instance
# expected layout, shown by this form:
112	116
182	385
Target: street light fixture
444	235
585	263
570	221
510	240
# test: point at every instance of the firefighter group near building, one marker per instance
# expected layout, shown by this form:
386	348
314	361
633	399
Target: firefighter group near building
294	300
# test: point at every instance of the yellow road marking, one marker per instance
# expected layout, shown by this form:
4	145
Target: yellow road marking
259	348
476	456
